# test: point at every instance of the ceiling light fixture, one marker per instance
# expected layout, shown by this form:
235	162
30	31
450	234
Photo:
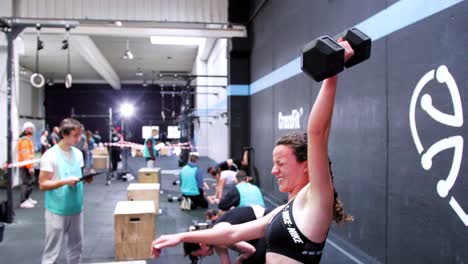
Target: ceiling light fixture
139	72
118	23
128	55
127	110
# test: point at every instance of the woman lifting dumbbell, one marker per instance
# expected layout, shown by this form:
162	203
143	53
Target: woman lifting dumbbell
295	232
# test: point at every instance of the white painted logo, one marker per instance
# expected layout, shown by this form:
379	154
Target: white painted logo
292	121
443	76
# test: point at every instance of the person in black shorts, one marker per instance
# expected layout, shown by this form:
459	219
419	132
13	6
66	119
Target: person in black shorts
250	252
233	164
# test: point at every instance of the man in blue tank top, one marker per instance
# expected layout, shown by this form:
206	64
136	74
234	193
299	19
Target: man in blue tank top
245	194
61	170
191	182
149	150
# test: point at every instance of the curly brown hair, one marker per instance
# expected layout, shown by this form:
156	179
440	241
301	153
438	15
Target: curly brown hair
298	143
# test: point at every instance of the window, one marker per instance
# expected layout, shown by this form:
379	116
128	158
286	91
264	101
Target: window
173	132
146	131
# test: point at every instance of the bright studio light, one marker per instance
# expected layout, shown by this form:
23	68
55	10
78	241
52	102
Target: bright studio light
186	41
127	110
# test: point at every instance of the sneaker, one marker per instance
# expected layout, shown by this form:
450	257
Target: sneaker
26	204
34	202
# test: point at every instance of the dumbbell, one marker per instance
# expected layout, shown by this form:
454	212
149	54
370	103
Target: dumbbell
324	57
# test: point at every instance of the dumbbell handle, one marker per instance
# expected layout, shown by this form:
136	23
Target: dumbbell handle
362	50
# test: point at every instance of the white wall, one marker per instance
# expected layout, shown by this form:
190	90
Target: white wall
30	104
212	139
3	103
26	100
3	99
6	8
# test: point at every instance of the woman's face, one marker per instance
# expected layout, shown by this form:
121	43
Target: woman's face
204	251
287	170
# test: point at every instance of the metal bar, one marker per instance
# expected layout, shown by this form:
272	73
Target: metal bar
4	22
49	23
214	116
138	32
146	23
185	92
109	161
90	116
206	85
31	117
189	75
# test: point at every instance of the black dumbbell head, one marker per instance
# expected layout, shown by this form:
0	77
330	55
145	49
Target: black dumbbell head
361	44
322	58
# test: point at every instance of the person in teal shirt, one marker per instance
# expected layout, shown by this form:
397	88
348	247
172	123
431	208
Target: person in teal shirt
61	170
191	182
149	150
245	194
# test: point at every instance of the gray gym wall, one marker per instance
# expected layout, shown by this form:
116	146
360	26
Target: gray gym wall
399	215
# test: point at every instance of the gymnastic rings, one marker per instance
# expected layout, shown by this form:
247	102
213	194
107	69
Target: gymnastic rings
66	46
68	81
37	80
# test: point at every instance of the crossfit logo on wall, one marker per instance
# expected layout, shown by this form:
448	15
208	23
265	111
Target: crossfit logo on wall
292	121
443	76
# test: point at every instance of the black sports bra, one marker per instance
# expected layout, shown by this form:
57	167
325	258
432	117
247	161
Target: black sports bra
284	238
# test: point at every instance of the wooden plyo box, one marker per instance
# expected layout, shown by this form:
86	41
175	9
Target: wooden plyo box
165	151
100	152
149	175
101	162
134	228
144	192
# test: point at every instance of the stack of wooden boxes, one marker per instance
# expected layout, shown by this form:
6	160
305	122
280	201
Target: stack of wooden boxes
101	158
135	219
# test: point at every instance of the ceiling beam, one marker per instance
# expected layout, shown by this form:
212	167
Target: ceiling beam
138	32
91	53
206	48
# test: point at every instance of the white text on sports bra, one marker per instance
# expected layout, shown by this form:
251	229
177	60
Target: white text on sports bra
287	218
292	230
294	235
